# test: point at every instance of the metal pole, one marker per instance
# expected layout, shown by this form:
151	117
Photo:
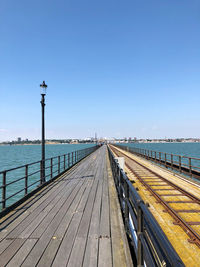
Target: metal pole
140	229
26	180
43	138
4	191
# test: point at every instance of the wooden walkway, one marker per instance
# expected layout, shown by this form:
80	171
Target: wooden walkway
75	221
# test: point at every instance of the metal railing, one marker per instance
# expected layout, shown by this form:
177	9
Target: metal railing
150	244
183	164
17	183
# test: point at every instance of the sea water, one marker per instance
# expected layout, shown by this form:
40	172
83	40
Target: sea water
18	155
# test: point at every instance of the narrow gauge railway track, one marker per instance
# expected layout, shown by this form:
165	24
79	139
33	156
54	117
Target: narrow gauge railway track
153	181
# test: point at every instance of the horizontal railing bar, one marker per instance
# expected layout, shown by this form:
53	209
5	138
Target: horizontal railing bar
36	162
22	166
15	194
33	183
61	164
185	165
33	173
15	181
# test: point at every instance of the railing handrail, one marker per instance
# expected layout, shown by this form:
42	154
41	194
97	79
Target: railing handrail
131	203
35	162
54	168
183	164
157	151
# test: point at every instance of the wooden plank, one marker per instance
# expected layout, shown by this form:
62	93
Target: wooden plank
39	230
82	235
22	253
4	244
95	220
105	211
85	221
15	233
79	243
91	252
48	200
10	251
48	235
52	248
77	254
19	214
105	255
49	254
38	250
64	251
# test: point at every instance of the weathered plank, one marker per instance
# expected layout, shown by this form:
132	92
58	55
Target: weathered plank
91	252
38	250
64	251
105	253
22	253
10	251
52	248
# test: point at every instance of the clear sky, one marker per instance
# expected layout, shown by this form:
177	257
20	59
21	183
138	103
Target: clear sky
128	68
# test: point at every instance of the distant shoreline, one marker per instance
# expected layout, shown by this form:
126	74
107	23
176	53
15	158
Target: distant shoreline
45	144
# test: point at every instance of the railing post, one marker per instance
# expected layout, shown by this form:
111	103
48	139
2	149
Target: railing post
180	170
126	209
120	188
64	162
165	160
51	168
160	157
118	178
68	160
4	191
190	166
172	161
41	172
151	155
155	156
140	230
72	158
58	164
26	180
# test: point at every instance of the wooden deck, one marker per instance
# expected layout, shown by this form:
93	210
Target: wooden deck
75	221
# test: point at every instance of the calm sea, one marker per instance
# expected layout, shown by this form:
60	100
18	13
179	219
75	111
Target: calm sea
183	149
14	156
191	150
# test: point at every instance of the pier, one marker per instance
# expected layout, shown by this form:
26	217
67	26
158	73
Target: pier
92	212
73	221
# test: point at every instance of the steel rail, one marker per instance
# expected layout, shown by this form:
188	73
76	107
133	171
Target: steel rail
193	235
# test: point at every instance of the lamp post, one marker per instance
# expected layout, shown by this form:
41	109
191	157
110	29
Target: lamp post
43	87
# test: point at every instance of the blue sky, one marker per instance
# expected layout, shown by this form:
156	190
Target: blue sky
118	68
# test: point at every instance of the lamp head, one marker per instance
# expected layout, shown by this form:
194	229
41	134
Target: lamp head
43	87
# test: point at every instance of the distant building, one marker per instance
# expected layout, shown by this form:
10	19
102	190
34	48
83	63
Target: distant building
19	139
